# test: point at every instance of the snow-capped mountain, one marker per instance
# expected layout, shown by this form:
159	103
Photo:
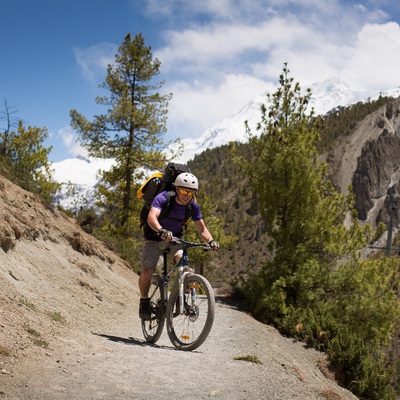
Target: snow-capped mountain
79	175
333	92
326	96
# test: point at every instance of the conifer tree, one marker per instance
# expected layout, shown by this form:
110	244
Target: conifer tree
28	158
303	213
131	131
317	287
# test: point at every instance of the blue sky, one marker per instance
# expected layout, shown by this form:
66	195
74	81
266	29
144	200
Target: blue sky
216	55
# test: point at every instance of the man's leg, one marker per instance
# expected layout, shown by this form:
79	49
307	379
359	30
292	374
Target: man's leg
145	282
151	254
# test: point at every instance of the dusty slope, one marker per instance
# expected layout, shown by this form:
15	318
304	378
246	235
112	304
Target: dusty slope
69	327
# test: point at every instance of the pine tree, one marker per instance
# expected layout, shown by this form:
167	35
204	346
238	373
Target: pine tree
131	131
303	213
28	158
317	287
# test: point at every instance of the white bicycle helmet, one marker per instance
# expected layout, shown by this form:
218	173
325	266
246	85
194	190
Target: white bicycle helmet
187	180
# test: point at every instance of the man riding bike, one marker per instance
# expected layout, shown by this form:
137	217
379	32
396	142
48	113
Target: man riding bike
161	229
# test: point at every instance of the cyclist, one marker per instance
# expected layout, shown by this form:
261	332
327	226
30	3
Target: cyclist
158	235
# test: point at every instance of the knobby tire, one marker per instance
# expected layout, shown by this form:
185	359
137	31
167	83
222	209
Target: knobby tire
153	328
188	331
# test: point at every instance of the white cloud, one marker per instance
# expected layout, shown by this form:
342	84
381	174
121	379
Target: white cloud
213	67
374	62
221	54
194	108
233	46
71	141
232	10
93	61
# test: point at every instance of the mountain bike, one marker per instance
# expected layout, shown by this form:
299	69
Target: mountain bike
188	310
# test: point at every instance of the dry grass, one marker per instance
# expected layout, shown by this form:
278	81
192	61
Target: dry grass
36	338
56	316
249	358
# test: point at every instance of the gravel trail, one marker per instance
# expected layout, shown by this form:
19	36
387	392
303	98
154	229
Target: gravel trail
116	363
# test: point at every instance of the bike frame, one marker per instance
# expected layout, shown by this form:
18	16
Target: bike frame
189	291
180	267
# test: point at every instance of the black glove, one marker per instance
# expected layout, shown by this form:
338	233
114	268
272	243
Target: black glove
214	245
164	234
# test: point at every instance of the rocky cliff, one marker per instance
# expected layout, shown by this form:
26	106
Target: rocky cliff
368	161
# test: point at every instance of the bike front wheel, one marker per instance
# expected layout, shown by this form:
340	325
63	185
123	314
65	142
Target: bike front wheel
153	327
188	329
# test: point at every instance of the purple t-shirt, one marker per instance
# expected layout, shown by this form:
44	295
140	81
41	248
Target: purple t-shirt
175	220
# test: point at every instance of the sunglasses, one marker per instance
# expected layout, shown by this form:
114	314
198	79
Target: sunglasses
186	192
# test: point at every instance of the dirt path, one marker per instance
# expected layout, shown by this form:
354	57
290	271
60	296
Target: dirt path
115	362
69	327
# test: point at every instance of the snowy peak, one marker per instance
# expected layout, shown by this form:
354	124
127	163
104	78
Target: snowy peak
78	177
80	170
326	96
230	129
333	92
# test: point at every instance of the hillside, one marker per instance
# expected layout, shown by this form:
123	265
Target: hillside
69	327
361	145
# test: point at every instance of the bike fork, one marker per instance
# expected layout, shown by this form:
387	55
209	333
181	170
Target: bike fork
181	289
164	288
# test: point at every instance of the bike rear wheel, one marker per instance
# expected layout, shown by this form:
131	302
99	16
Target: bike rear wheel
153	327
188	330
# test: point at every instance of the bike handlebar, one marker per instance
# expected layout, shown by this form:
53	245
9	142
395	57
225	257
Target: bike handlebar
186	244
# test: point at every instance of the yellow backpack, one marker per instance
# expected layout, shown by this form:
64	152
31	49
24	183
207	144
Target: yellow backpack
157	183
